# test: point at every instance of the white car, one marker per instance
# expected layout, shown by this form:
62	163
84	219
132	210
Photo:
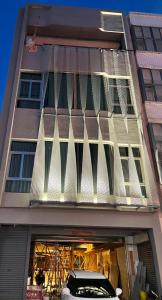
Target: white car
87	285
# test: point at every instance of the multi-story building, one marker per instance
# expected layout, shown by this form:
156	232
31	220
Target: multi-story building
146	31
77	185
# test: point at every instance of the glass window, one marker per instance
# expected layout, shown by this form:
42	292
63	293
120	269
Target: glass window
15	164
156	33
150	93
156	75
148	38
123	151
146	32
158	45
125	166
124	154
24	89
152	84
63	153
139	171
140	45
63	96
21	166
158	90
147	75
94	160
29	91
149	45
35	90
79	159
138	32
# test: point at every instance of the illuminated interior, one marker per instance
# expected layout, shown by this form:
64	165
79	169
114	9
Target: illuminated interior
57	259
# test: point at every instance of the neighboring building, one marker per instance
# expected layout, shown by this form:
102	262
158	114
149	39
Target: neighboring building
146	31
77	185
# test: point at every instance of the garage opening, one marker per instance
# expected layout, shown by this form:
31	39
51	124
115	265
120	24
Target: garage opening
57	258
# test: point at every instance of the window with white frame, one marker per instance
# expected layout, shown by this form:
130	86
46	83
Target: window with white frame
30	90
124	155
21	167
120	90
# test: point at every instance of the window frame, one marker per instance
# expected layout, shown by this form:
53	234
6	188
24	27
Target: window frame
127	87
136	158
143	38
31	81
151	85
20	177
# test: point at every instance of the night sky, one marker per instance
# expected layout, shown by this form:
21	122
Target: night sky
9	10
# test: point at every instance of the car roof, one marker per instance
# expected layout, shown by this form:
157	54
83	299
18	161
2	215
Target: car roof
87	274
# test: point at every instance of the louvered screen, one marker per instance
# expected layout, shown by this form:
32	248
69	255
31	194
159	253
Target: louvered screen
13	253
146	256
112	22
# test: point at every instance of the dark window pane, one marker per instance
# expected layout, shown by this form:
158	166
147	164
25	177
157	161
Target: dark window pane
35	90
76	103
49	97
110	165
138	31
89	102
150	94
18	186
28	104
31	76
94	159
79	158
156	74
117	109
149	45
23	146
130	110
146	73
139	171
103	102
63	152
140	44
143	190
158	45
63	100
156	33
28	166
15	165
146	32
24	89
48	151
126	92
136	152
112	81
158	91
123	151
125	167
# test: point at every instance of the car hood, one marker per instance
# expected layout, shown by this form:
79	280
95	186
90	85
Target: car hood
80	298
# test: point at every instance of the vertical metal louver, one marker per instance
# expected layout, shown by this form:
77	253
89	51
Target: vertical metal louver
13	258
146	256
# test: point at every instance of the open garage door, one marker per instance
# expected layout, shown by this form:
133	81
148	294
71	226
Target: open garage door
57	258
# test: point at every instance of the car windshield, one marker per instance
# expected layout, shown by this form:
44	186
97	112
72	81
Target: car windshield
91	288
